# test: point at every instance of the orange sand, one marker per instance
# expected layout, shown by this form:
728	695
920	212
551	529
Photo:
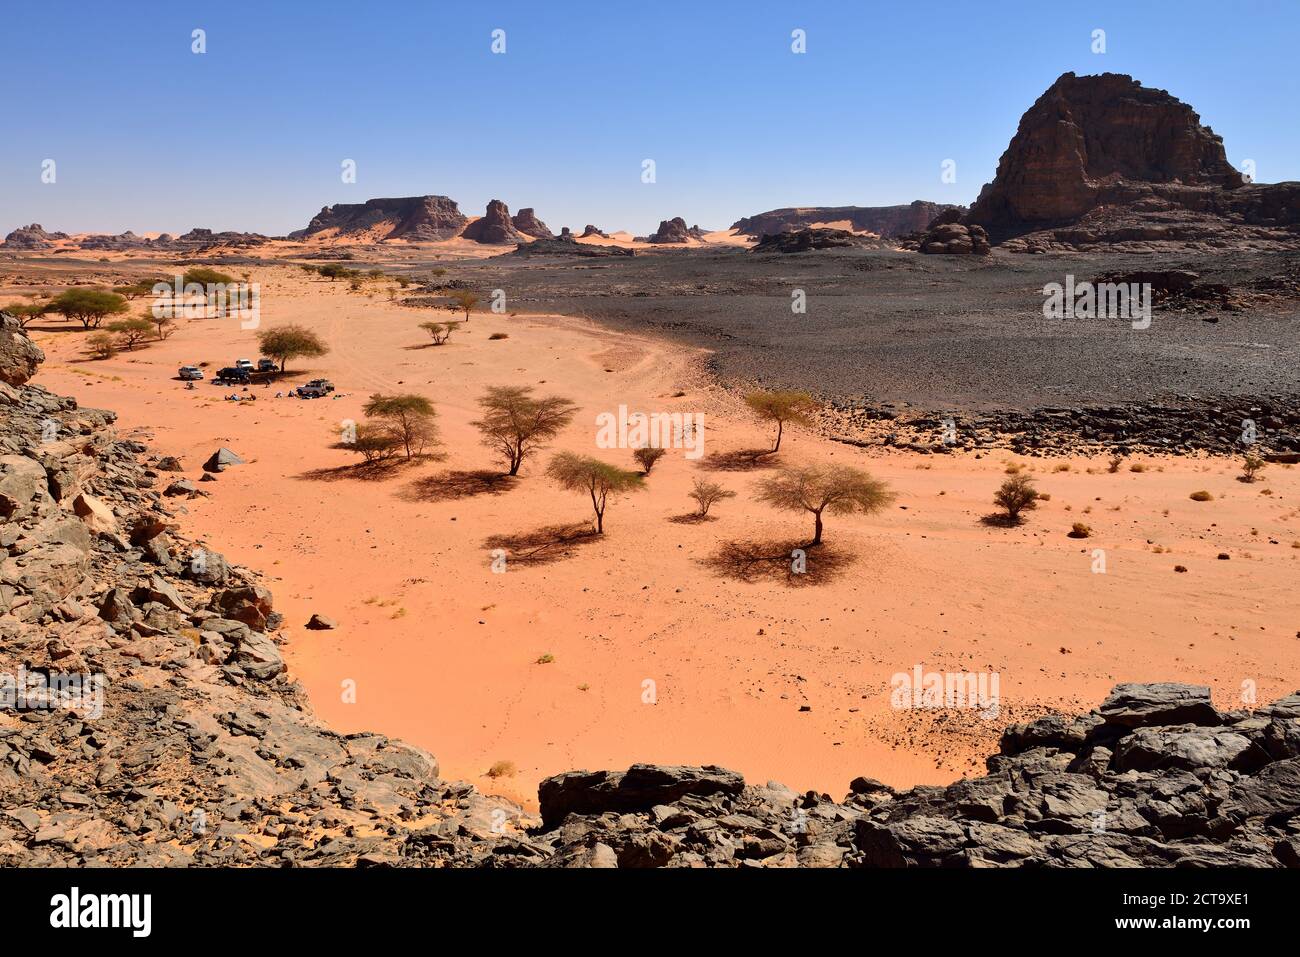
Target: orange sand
444	652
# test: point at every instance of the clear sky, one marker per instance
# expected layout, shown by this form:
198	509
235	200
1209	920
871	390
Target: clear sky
250	135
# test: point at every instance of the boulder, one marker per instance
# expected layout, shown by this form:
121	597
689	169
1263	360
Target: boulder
321	623
639	788
222	459
99	518
1159	703
19	356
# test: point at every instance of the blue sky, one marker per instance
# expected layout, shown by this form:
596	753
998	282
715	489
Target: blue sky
250	135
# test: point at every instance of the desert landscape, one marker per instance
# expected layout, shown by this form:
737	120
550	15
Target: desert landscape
925	534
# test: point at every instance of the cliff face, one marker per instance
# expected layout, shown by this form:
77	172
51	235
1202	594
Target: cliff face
414	218
888	222
1103	160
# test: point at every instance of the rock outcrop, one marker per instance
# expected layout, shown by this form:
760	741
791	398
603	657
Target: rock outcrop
32	237
19	356
526	222
1102	160
888	222
495	228
955	239
803	240
411	218
671	231
591	230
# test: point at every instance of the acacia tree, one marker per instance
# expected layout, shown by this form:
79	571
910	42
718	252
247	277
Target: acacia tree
838	489
131	331
514	423
581	473
24	312
439	332
290	342
410	416
708	494
462	300
782	407
375	442
90	307
1017	494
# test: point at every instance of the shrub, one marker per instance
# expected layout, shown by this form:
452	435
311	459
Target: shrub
1079	530
708	494
498	336
1017	494
439	332
1201	496
1251	466
501	769
647	457
102	345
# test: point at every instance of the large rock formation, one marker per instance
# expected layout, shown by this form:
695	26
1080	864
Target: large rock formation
888	222
412	218
495	227
1112	161
671	231
32	237
803	240
526	222
19	356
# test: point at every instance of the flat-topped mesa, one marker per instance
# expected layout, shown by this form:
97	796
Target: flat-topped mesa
888	222
412	218
1100	160
495	227
526	222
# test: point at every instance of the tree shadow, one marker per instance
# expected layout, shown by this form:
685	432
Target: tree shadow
1002	520
774	561
541	546
692	518
458	484
363	471
739	460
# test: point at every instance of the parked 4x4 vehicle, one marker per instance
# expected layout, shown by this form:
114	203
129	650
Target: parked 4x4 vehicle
245	364
311	391
266	365
325	384
190	373
233	375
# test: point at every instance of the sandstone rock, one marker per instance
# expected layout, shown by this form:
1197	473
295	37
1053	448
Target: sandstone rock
670	231
19	356
494	228
413	218
23	488
526	222
321	623
99	518
888	222
221	460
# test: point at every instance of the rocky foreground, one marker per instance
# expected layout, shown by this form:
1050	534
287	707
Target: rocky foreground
203	751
